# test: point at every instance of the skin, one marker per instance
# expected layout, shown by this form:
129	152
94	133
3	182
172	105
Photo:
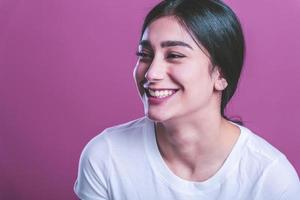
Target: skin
193	138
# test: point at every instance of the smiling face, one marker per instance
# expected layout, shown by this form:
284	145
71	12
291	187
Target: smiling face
173	75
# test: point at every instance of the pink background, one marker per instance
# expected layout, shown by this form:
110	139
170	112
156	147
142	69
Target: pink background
66	74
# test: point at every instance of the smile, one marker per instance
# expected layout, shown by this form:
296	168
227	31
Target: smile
160	93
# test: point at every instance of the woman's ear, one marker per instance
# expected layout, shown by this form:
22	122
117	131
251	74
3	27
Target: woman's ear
220	81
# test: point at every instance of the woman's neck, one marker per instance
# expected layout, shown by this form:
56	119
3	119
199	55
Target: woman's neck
195	146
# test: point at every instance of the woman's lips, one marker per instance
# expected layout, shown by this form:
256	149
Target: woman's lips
158	96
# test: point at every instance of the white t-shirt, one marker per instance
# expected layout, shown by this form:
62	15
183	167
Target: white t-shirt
124	163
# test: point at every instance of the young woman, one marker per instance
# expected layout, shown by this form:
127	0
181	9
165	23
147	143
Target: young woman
190	58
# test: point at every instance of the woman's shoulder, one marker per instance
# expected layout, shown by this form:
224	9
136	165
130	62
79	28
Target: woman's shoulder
115	137
124	133
128	126
268	167
259	148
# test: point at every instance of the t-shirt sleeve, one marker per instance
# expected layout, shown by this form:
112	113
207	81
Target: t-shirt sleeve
281	181
292	189
91	183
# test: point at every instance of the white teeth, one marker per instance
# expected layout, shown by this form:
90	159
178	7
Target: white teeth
161	93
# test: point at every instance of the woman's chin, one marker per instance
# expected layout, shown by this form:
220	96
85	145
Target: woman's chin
156	117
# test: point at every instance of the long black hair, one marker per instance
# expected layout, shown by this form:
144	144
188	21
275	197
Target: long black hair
214	26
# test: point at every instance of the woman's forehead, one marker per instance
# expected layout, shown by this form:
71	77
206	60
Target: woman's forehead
167	29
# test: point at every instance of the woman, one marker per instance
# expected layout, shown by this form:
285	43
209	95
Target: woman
190	58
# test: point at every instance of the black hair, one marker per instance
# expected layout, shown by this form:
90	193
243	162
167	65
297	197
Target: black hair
214	26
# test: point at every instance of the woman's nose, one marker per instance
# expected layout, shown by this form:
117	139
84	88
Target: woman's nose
155	71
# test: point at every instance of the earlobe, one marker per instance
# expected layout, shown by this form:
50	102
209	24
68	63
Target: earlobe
221	84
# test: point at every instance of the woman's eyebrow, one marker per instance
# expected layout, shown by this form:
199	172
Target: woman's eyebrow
169	43
172	43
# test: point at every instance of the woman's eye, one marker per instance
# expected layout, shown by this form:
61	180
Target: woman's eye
144	55
174	56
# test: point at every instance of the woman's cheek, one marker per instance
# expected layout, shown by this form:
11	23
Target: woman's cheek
139	76
180	74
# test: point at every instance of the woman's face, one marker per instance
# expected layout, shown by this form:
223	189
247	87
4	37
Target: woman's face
173	74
